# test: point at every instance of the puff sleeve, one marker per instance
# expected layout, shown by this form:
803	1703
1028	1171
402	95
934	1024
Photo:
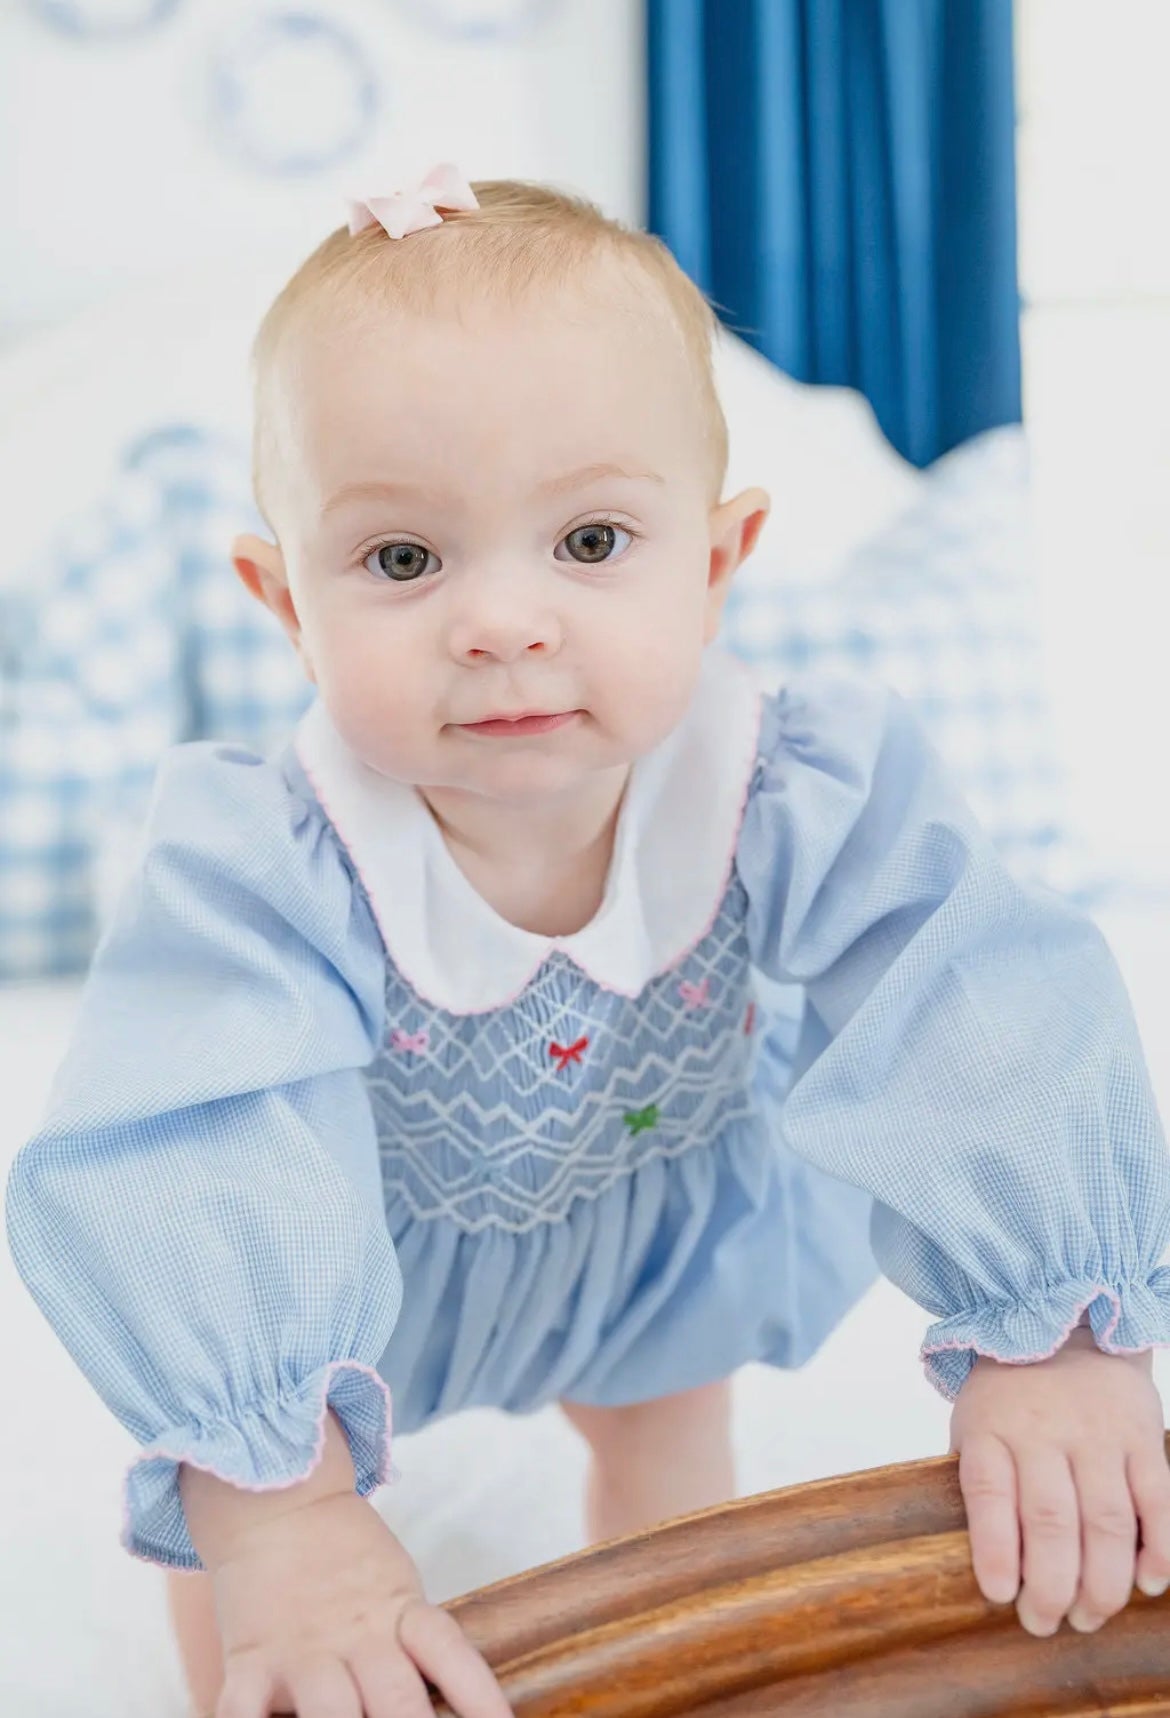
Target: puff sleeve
969	1055
200	1216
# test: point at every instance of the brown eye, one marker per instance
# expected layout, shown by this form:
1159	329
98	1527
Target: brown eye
593	544
404	563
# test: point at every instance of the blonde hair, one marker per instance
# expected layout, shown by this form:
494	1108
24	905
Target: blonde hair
522	237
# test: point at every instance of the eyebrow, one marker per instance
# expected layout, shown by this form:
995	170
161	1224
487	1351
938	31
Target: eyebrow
592	474
385	490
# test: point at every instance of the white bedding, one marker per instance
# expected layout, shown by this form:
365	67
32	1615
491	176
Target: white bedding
83	1627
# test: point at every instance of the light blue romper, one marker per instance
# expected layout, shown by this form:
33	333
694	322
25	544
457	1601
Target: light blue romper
328	1124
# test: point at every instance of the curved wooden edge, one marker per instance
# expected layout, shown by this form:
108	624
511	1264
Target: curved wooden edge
732	1542
748	1634
851	1596
1123	1671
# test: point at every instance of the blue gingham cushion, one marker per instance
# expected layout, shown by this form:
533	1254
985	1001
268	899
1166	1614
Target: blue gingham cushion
240	680
144	637
87	701
941	606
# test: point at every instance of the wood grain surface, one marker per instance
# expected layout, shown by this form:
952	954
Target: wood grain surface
849	1598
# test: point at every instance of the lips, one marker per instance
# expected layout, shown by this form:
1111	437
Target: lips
516	727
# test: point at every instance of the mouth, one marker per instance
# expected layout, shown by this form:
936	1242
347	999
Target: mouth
517	727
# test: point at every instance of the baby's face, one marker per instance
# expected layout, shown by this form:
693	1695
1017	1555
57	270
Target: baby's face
497	541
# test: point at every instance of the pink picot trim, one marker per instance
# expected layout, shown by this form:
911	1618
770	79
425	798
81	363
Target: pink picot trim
384	1472
1103	1343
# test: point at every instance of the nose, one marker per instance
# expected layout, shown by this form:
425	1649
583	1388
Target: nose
501	623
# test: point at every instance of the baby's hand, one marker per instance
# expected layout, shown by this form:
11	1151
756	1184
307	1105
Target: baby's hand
322	1614
1066	1455
320	1610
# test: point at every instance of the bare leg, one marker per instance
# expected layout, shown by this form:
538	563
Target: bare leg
653	1461
192	1606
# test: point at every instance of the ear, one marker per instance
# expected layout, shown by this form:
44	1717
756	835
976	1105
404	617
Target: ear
735	528
262	570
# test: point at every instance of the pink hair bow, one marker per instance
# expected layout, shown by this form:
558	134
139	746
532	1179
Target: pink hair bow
409	211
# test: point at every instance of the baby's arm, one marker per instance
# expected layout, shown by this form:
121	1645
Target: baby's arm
319	1605
970	1058
200	1218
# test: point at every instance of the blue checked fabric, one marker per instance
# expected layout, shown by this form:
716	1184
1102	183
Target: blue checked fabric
211	1235
146	638
941	606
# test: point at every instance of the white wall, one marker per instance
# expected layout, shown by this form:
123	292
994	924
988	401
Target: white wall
116	166
1094	143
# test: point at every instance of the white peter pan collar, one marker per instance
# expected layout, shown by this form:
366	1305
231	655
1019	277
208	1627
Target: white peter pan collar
673	854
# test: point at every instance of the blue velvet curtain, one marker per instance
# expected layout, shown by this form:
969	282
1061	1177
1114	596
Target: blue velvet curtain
839	177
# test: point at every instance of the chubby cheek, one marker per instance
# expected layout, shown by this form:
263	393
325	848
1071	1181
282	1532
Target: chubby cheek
374	686
651	664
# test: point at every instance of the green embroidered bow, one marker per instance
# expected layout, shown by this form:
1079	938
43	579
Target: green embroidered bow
638	1121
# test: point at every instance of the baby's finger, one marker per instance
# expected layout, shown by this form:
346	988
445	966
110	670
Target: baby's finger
248	1688
1149	1482
390	1685
987	1475
1051	1528
1108	1542
323	1688
447	1658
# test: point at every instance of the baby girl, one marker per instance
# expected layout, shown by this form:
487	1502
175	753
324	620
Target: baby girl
448	1058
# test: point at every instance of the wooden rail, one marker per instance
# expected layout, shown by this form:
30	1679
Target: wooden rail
849	1598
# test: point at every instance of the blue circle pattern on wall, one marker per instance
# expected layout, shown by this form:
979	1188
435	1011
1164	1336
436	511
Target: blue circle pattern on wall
480	20
103	18
292	93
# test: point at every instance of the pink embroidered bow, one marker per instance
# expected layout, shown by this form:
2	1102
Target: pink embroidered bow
696	995
409	211
564	1056
410	1043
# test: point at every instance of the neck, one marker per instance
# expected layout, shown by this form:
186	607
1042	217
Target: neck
541	866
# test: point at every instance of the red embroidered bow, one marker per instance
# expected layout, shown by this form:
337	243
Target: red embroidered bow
563	1056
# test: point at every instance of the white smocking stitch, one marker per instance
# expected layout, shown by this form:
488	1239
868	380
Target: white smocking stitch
510	1117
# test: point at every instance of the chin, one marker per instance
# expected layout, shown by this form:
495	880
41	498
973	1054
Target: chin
524	777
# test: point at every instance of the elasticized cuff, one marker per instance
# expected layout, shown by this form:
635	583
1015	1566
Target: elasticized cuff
269	1447
1125	1318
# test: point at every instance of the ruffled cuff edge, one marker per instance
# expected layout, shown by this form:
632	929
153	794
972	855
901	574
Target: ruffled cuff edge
154	1527
1127	1319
